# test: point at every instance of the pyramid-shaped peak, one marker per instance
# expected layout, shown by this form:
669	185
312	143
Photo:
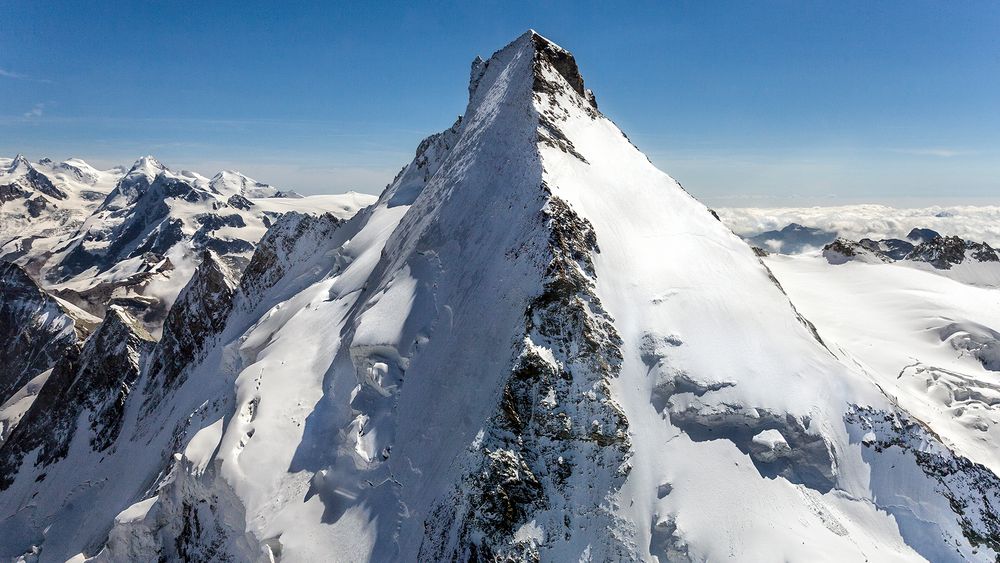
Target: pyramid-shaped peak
19	164
544	53
540	41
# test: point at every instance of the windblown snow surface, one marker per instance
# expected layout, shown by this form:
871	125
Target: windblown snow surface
534	346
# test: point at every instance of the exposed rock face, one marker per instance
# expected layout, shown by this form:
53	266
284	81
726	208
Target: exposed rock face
557	426
944	252
843	250
969	504
293	234
561	61
894	249
198	314
35	330
940	252
39	182
95	382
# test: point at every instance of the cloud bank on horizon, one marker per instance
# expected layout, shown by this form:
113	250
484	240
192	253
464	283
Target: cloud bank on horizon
978	223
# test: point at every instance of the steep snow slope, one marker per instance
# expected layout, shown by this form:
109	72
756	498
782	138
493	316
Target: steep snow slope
534	346
713	354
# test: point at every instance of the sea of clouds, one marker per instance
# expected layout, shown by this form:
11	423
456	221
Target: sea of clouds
977	223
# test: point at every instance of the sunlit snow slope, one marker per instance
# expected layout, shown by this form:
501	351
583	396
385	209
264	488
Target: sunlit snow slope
535	346
929	341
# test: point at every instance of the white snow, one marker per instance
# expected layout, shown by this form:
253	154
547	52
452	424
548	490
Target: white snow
136	512
19	403
771	439
895	323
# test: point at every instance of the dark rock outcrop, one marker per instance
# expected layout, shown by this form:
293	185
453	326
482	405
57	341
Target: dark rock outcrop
96	381
556	421
36	331
940	252
945	252
198	314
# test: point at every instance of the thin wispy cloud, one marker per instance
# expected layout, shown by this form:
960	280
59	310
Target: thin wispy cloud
936	152
4	73
35	112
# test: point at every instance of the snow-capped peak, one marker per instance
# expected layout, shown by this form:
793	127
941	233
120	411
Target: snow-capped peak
19	165
135	182
147	166
230	182
79	170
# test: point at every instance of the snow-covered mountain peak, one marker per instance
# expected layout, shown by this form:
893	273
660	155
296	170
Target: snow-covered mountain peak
146	168
135	182
541	53
21	181
79	170
562	61
147	165
18	165
231	182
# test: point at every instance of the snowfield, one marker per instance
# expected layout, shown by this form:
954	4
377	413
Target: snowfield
924	338
534	346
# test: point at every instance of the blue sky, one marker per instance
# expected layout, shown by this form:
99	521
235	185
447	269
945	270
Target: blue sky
746	103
